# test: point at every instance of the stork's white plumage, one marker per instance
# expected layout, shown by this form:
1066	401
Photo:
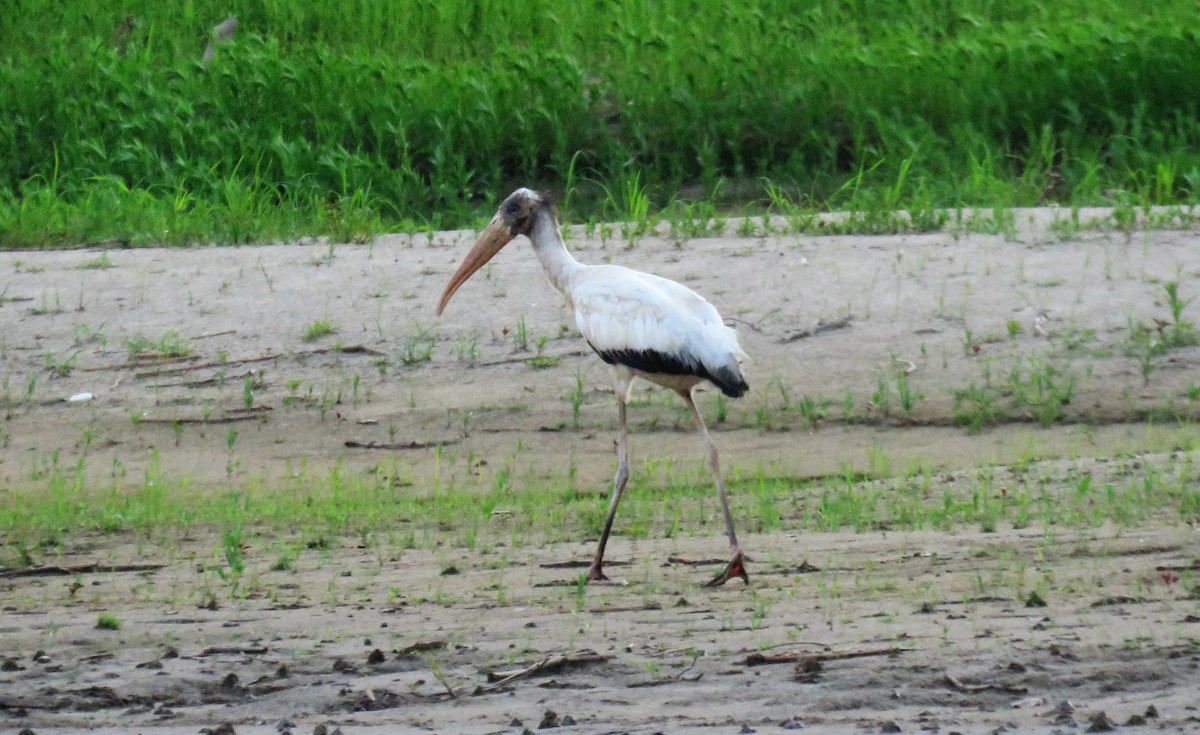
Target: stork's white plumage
643	325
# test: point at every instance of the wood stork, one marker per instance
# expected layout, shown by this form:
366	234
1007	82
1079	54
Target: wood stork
643	325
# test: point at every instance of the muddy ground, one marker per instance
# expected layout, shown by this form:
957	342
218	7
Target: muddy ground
838	632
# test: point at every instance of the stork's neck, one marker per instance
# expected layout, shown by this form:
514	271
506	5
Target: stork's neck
552	252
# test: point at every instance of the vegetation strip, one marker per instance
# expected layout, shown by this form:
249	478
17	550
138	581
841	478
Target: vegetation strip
405	115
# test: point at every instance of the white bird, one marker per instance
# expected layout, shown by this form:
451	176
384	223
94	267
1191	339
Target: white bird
643	325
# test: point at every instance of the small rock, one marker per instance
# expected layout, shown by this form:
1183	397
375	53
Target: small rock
230	681
284	724
549	719
1035	600
1135	721
567	721
791	723
1100	722
342	665
320	730
746	730
1062	708
153	664
39	657
10	665
223	729
516	723
169	653
26	731
1151	712
450	571
1016	667
282	672
890	726
808	670
376	657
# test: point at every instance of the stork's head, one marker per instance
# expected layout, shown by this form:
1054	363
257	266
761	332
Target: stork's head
515	217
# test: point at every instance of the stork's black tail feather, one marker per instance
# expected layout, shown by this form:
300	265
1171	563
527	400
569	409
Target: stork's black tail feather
728	379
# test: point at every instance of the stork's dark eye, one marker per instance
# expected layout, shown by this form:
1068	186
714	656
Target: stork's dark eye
512	208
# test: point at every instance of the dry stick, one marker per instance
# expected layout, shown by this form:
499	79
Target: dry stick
208	381
759	659
508	360
348	349
421	647
216	650
57	571
816	329
141	364
216	334
354	444
199	366
754	325
547	665
209	420
973	688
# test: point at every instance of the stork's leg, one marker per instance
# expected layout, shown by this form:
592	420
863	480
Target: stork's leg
736	566
596	571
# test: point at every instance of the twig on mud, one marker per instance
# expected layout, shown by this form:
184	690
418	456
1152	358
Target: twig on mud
348	349
507	360
819	328
142	364
212	380
420	647
548	665
354	444
209	420
217	650
761	659
580	564
215	334
57	571
754	325
693	562
973	688
202	366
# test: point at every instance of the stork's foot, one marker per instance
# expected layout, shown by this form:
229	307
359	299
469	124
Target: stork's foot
735	568
596	574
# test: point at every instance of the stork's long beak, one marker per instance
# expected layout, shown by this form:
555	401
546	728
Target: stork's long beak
493	237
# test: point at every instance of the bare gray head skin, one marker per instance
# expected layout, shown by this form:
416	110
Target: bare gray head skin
516	216
519	210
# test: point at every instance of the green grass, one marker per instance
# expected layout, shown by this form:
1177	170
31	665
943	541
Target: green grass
170	344
58	508
411	114
108	621
318	329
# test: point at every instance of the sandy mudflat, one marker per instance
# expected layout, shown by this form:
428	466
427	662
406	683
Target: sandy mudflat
929	630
